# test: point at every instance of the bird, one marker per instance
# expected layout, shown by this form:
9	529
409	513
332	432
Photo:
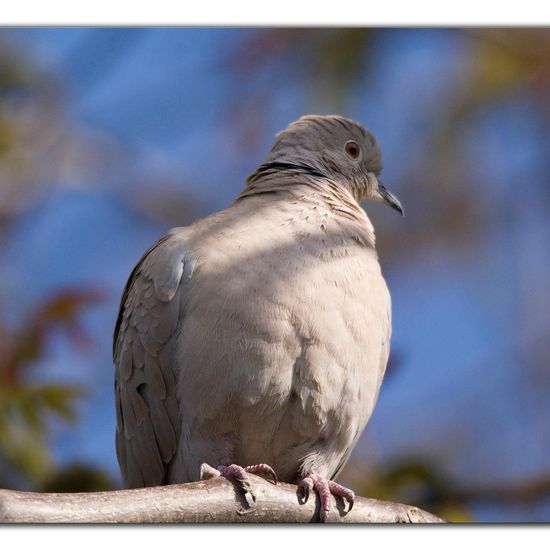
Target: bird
255	340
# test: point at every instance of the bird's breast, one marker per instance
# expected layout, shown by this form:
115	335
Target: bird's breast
283	330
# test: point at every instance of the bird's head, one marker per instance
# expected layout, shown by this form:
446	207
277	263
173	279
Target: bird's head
336	148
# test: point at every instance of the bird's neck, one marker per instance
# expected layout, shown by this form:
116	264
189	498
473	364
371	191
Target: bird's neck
301	186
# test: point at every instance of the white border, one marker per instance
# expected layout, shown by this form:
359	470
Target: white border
256	537
276	13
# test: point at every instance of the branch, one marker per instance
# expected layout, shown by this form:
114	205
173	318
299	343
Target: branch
213	501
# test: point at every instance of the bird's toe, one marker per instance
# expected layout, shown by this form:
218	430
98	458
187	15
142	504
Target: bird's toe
239	474
324	488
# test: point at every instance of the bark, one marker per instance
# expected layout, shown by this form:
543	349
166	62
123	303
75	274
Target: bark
213	501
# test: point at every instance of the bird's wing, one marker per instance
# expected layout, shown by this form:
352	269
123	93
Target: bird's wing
148	421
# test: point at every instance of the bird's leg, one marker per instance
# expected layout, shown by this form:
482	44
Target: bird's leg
324	488
239	474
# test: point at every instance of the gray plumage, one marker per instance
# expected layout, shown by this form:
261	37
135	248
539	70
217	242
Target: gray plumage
259	334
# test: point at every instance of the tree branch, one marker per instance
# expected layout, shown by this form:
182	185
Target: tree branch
213	501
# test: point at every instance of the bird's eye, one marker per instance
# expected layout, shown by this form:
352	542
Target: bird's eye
353	150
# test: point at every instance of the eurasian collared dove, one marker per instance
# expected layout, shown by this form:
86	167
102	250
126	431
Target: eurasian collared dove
259	336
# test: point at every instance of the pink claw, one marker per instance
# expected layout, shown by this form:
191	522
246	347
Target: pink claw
263	470
240	474
325	488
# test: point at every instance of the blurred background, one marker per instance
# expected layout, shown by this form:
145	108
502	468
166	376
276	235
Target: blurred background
109	137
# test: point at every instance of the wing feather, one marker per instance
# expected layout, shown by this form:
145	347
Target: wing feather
148	420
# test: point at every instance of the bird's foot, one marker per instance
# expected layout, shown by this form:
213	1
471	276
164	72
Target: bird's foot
240	474
324	488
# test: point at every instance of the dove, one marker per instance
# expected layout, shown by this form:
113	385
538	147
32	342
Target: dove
256	339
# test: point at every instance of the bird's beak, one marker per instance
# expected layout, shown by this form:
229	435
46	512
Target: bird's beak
390	199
